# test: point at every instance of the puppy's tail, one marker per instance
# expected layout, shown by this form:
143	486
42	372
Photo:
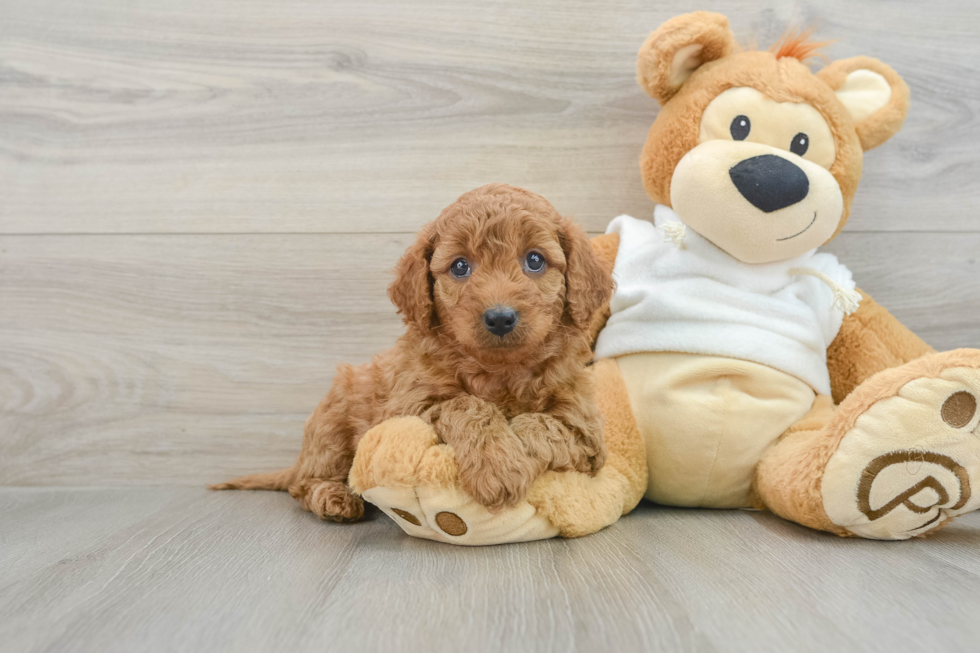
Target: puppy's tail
279	480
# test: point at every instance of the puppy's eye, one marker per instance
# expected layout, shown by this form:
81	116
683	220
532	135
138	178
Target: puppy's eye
740	128
460	268
800	144
534	262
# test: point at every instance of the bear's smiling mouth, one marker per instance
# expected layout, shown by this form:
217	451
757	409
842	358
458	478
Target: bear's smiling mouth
802	232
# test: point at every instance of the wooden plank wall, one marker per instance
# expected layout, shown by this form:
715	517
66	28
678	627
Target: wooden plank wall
199	200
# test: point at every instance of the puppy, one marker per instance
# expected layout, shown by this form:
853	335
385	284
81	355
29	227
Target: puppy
498	294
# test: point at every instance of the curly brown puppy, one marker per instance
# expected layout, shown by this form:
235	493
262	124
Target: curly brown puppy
498	294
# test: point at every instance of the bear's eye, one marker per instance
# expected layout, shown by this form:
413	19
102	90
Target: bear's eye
534	262
800	144
740	128
460	268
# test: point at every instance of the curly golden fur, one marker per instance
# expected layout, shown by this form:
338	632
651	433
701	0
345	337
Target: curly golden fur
511	406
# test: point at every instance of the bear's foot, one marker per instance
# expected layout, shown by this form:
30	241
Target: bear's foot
908	459
402	468
450	515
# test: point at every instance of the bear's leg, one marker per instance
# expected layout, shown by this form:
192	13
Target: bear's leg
787	479
900	456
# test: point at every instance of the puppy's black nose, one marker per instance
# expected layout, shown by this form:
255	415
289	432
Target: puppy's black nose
500	320
770	182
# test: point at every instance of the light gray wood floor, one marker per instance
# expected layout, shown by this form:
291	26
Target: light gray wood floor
155	569
198	203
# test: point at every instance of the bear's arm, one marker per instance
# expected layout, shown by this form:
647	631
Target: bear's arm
605	247
870	340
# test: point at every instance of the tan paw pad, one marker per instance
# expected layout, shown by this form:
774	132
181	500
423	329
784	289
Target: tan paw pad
451	524
407	516
910	462
959	409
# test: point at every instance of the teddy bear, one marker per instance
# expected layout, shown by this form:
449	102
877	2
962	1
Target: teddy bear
746	365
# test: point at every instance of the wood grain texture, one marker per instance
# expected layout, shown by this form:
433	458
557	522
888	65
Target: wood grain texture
168	353
190	358
296	116
182	569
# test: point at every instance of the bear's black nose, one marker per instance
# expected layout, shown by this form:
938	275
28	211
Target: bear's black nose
500	320
770	182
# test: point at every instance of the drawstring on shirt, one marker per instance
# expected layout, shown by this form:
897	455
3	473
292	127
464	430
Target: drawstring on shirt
674	233
846	301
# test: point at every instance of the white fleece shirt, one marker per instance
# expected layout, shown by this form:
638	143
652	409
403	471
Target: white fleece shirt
700	300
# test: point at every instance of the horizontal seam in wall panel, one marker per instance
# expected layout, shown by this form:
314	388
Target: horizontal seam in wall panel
176	486
212	233
385	233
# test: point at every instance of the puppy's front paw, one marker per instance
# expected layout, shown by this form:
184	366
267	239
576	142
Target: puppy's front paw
458	419
589	461
496	484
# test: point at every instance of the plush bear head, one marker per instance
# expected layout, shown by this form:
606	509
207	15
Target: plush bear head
753	150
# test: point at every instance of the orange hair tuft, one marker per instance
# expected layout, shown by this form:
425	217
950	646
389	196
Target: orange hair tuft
798	45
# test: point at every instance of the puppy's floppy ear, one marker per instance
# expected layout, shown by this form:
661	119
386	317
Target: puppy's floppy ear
677	48
873	94
411	291
588	285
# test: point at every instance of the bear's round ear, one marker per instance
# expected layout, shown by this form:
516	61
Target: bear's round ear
873	94
677	48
